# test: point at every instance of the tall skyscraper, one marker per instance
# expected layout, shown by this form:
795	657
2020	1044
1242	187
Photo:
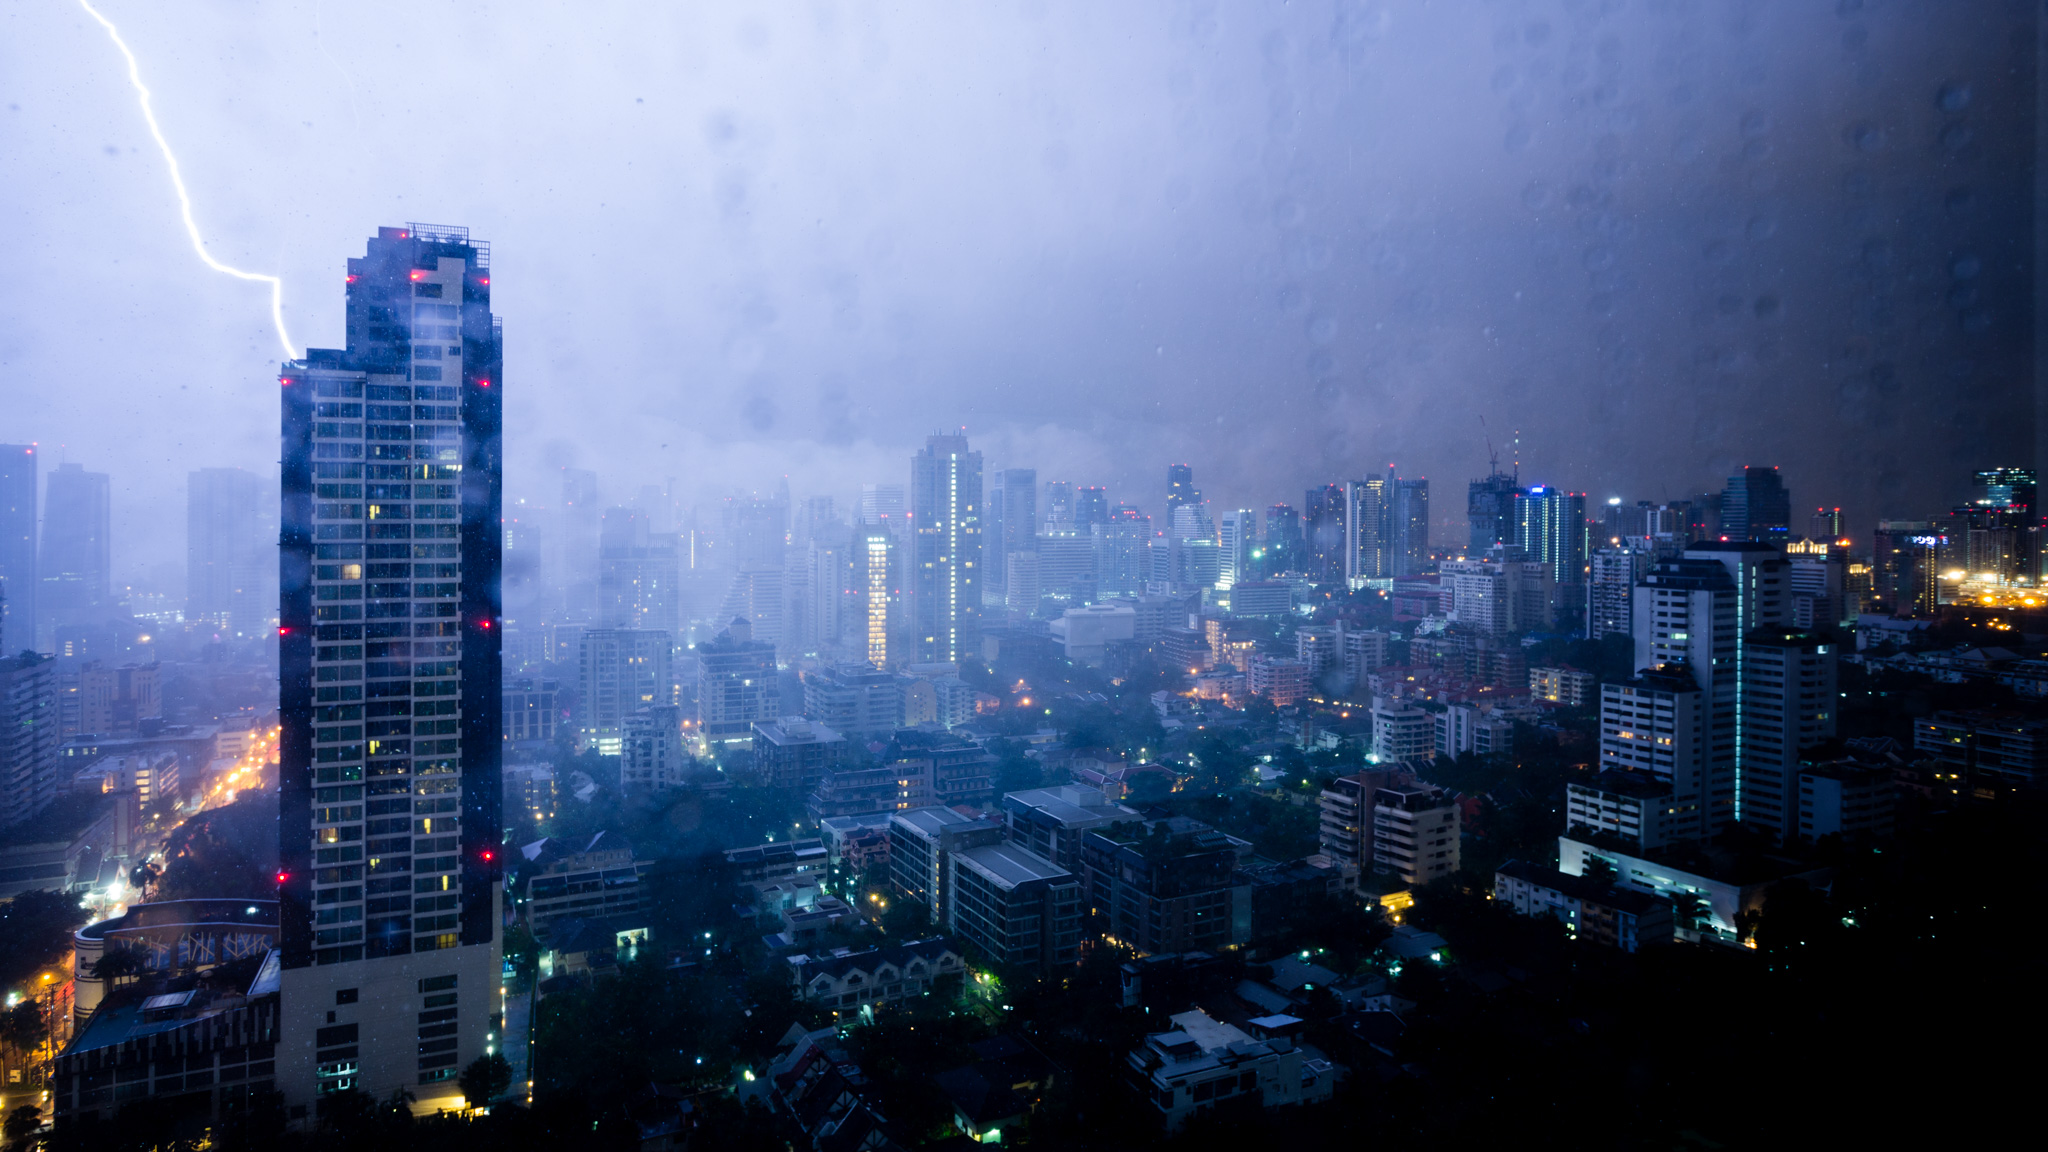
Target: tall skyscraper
1490	509
639	575
876	593
1122	552
1408	527
946	547
1238	538
1324	531
1012	526
1180	488
1788	706
28	734
77	587
1283	547
1366	504
1612	573
230	550
1550	526
1755	506
1059	508
389	826
18	546
1686	613
581	526
1825	524
1091	507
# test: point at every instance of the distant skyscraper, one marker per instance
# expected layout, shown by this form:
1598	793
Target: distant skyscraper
1238	538
1180	487
2002	488
1091	507
1059	507
18	546
876	594
946	550
1122	552
1825	524
1755	506
639	575
230	551
1490	509
76	584
1612	573
579	522
1012	526
28	734
884	505
389	681
1283	548
1367	503
1324	532
1550	526
1408	527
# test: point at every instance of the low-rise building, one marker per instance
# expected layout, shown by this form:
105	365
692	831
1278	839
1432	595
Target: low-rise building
878	976
1604	913
1846	799
1416	830
1168	885
1053	821
1992	746
921	841
795	753
1634	806
1283	680
1564	685
1204	1062
1710	890
1019	908
778	861
598	879
151	774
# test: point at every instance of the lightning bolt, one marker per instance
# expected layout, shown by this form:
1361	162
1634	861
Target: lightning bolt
184	197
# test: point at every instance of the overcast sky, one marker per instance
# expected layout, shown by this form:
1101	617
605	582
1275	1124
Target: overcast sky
1286	243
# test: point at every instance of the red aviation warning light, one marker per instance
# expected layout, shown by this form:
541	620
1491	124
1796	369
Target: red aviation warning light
283	876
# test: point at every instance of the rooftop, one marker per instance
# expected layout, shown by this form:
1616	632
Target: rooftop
1009	865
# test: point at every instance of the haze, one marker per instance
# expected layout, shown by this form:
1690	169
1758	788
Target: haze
1283	242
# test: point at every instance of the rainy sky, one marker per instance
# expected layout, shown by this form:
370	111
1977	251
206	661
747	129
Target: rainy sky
1286	243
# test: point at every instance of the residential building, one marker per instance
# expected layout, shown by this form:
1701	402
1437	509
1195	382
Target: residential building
922	842
959	770
796	753
861	785
1563	685
737	683
1401	732
1167	885
1283	680
529	793
1012	529
119	701
1845	799
390	689
622	671
1550	528
230	551
853	699
847	984
1407	526
639	575
1204	1062
1345	825
1490	510
1018	908
1634	806
946	550
1054	821
1612	573
1657	726
1367	547
778	862
1415	832
652	752
1789	703
1475	728
29	778
598	878
1985	746
1499	594
531	711
1085	633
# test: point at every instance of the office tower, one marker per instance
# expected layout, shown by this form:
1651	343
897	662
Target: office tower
1012	526
853	699
1367	505
2009	489
946	542
1490	510
1180	488
1550	526
28	735
639	575
1066	569
1324	532
829	577
884	505
1755	506
1817	587
1283	547
1661	771
737	684
1122	552
1238	540
230	551
1612	573
1091	507
74	560
621	671
18	582
1408	527
1904	555
1788	706
1059	508
389	681
1825	524
1703	517
117	701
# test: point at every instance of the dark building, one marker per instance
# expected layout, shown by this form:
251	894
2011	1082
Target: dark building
389	780
18	486
1283	549
1323	529
1490	510
1012	524
230	550
1091	507
1180	488
1755	506
76	585
1167	885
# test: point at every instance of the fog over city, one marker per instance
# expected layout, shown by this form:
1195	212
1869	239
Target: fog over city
1287	243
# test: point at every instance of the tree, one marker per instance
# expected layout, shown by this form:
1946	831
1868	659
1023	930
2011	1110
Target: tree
35	929
117	963
22	1025
486	1079
22	1123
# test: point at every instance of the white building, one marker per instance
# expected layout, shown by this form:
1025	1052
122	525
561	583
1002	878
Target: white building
1788	705
1401	731
1086	632
1416	831
1204	1062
